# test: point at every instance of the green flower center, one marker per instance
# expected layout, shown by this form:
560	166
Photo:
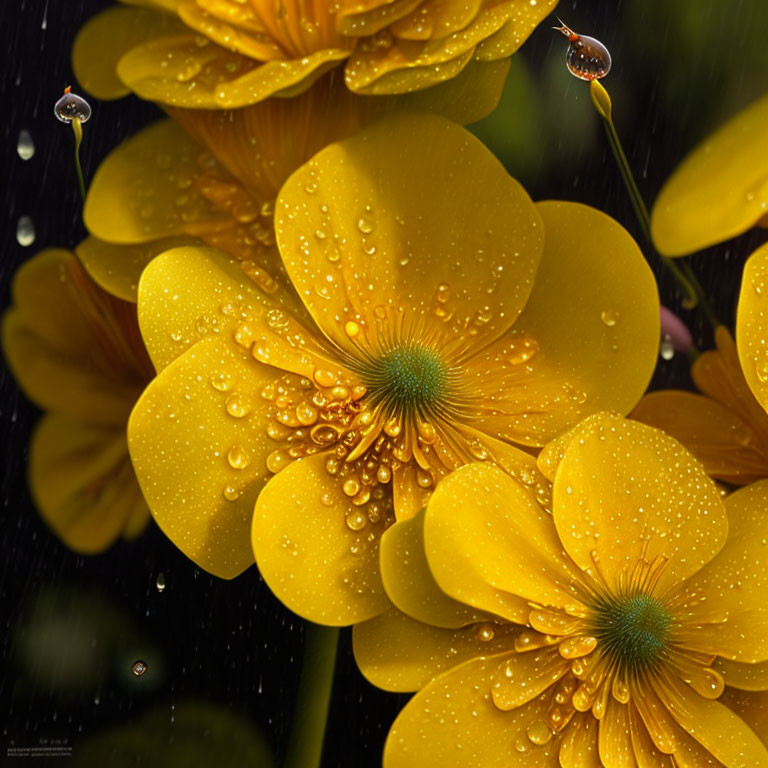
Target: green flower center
407	380
633	630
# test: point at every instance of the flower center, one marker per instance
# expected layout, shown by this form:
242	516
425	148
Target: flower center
409	379
634	630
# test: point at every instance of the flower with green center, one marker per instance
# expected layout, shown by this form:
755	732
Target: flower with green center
427	331
627	627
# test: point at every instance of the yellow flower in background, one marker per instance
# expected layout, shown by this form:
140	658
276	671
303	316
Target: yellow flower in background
224	54
440	338
602	634
212	177
725	427
720	190
77	353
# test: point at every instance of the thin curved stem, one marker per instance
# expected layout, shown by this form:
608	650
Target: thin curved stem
77	129
311	714
680	269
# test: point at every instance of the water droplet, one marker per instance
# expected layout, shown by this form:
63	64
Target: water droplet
70	107
586	58
485	632
277	460
351	487
522	351
25	146
609	317
160	582
539	733
25	231
667	348
238	406
238	458
221	381
230	493
356	521
383	474
139	667
306	414
323	378
365	225
352	329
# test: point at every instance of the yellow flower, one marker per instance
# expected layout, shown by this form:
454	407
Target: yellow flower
453	317
720	190
77	353
725	427
224	54
602	634
212	177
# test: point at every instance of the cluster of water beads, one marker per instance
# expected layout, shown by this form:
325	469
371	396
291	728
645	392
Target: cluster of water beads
586	58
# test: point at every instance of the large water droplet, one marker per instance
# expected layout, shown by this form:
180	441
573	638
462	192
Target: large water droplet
160	583
71	106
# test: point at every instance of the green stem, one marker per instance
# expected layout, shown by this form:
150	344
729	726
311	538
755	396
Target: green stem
77	129
680	269
309	719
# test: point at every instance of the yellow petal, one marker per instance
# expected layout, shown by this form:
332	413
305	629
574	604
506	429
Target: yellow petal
490	545
116	268
218	299
746	677
143	191
361	22
725	735
555	367
732	614
106	37
720	190
579	747
752	708
83	483
524	676
614	738
515	32
436	18
645	752
397	653
751	324
453	721
311	559
199	467
211	77
409	582
71	347
395	235
624	491
728	447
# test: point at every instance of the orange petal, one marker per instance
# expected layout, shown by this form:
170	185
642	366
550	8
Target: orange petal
725	601
310	558
370	231
454	720
555	367
201	467
490	545
397	653
625	492
729	448
83	482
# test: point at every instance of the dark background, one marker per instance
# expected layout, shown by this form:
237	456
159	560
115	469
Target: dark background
72	626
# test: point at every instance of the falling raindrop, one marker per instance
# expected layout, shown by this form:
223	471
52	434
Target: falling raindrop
25	146
586	58
160	583
139	667
25	231
666	348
